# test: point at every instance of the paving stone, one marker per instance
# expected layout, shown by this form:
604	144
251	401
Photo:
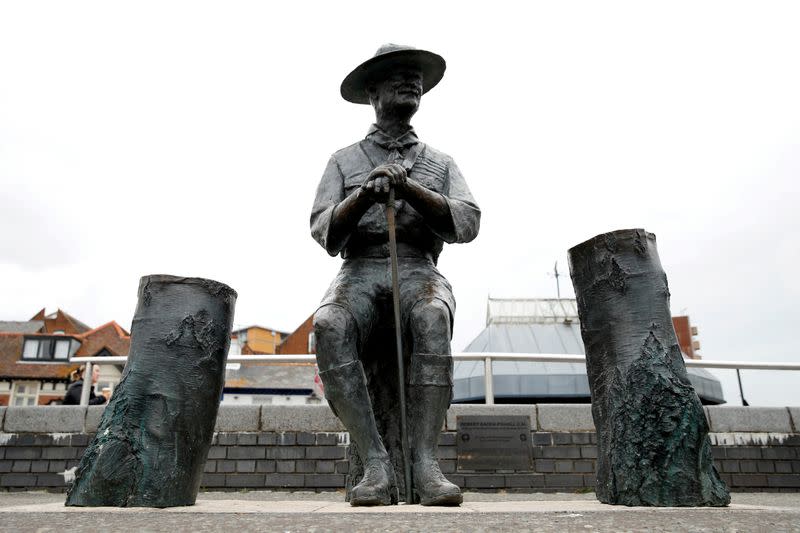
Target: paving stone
247	439
44	439
56	466
448	452
729	466
589	452
39	466
584	466
286	467
246	452
17	480
729	419
484	481
457	410
447	439
5	466
77	439
246	467
93	415
784	481
290	452
749	480
779	452
266	467
50	480
563	480
524	481
561	452
245	480
748	467
21	466
325	467
324	481
267	439
327	439
564	467
286	480
217	452
582	437
45	419
565	417
213	480
26	439
23	453
745	452
232	418
227	439
226	467
305	438
305	466
766	467
560	439
544	465
541	438
783	467
325	452
447	466
61	452
287	438
311	418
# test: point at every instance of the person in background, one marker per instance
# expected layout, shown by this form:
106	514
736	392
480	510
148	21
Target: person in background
73	396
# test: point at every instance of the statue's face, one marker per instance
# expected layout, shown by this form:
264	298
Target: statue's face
401	91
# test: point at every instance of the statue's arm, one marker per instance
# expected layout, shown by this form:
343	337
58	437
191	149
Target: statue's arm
452	215
334	216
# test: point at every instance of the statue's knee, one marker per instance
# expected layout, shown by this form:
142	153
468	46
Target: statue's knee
332	321
431	318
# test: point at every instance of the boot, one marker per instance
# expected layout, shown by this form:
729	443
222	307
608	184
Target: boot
346	391
430	391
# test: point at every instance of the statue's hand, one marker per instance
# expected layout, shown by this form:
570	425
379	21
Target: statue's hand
382	179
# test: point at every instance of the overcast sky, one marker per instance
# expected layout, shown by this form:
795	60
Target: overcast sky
188	139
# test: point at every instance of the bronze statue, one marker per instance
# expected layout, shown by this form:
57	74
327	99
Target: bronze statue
433	206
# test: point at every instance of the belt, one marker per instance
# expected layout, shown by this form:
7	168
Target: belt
382	250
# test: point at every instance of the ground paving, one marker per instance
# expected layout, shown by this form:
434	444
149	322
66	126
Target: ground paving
304	511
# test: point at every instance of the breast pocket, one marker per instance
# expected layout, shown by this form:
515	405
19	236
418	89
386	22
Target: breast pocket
354	181
429	175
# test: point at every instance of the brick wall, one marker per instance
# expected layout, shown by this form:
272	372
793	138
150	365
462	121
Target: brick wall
304	447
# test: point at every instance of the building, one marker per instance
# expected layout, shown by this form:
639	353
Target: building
255	340
543	326
35	356
301	340
272	383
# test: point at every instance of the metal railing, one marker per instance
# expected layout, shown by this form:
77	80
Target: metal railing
487	358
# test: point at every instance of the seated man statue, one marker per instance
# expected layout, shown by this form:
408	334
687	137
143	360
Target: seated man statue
433	206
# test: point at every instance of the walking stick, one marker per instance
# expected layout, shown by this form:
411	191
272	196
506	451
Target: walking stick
398	334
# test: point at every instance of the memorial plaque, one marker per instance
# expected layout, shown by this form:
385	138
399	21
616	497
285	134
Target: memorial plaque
494	442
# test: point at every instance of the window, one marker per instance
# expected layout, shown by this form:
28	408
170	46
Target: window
312	343
25	393
48	349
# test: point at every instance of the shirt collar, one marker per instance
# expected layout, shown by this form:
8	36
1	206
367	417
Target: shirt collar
381	138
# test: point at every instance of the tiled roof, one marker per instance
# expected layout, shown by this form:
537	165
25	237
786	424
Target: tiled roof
109	336
12	367
29	326
271	376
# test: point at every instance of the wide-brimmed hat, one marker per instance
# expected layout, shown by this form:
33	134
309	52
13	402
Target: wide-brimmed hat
354	86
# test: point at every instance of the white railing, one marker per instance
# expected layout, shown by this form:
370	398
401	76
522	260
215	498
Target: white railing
486	357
